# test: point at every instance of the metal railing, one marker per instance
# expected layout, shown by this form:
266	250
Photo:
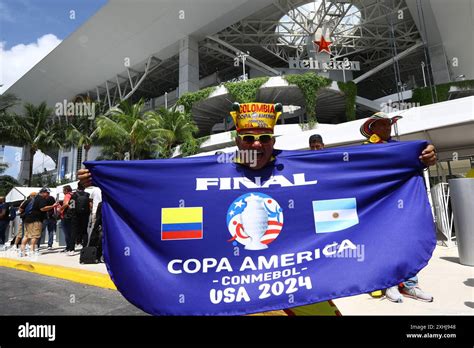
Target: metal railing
443	213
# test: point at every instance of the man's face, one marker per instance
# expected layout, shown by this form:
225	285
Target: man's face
316	145
263	149
382	128
2	199
44	194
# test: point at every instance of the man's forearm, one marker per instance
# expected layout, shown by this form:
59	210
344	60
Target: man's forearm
47	208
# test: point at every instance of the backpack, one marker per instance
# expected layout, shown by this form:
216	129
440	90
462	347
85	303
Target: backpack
81	203
29	208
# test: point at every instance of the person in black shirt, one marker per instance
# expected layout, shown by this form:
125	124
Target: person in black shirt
81	204
49	221
4	221
24	210
34	221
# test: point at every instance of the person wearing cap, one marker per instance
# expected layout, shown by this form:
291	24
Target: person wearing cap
378	130
34	221
316	142
23	211
255	123
49	221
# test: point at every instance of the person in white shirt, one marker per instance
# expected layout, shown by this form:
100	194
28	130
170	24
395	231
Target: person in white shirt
96	197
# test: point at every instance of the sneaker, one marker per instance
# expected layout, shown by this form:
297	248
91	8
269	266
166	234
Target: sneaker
417	294
20	253
393	294
70	253
50	248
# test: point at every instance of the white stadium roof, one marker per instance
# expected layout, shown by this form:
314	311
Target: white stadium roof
122	29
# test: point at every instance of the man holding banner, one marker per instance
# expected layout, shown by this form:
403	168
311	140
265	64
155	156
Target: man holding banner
295	220
378	130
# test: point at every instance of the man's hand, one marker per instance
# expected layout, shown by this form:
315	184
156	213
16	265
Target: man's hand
428	156
85	177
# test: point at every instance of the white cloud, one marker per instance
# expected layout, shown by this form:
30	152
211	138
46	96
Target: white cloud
16	61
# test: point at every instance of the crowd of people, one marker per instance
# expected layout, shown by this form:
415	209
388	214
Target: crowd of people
39	215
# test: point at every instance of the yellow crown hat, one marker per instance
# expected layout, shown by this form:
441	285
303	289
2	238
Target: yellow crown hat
255	115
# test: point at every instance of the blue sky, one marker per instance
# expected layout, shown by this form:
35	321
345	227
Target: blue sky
24	21
29	30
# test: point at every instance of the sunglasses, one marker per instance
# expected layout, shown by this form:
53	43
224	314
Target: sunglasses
251	138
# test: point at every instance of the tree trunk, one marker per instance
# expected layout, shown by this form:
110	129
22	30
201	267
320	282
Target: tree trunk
30	173
86	154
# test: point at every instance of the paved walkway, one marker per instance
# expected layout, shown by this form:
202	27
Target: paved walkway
451	284
22	294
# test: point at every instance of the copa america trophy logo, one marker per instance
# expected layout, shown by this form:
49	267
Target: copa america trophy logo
254	220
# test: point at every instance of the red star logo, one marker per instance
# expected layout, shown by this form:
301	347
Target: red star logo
323	45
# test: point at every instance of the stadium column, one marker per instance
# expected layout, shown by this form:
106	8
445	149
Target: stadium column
428	28
188	65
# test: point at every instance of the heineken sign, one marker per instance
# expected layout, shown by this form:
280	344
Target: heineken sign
322	59
318	65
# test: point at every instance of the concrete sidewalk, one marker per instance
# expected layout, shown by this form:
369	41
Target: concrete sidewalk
56	257
54	263
451	283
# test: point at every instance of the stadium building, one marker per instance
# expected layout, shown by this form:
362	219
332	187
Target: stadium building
392	50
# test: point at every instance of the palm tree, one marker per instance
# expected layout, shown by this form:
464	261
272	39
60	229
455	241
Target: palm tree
172	128
7	101
35	129
127	129
3	167
80	132
6	184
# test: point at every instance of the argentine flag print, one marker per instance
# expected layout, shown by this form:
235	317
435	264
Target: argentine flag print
334	215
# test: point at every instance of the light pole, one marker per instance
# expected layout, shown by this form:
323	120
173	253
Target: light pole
423	71
243	57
